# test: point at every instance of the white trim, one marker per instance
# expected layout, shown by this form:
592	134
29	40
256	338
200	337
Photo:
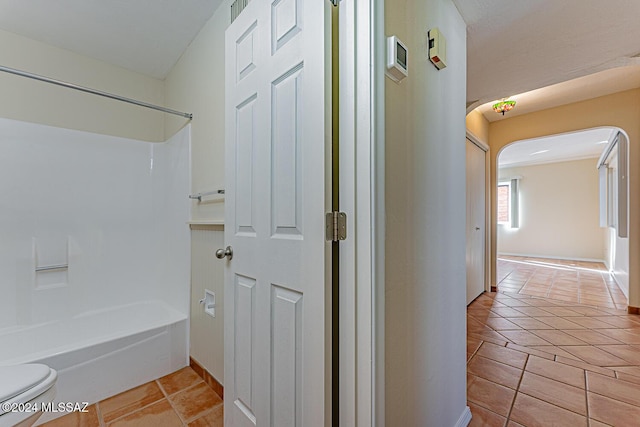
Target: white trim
563	258
377	48
545	162
360	193
465	418
477	141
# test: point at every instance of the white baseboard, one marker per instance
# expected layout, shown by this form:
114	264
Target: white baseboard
552	257
465	418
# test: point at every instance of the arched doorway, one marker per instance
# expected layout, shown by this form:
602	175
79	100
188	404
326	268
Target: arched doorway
559	234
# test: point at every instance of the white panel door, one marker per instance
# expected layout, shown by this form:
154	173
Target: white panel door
476	187
276	193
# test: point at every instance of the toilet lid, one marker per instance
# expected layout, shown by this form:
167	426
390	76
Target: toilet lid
17	379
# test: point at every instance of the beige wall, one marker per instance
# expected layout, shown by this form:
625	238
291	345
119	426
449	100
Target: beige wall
206	332
196	83
425	291
618	110
478	125
37	102
559	212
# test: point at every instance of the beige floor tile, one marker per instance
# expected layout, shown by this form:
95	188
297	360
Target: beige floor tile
611	411
532	412
630	370
214	418
481	417
558	338
562	311
594	355
523	338
552	349
626	336
586	366
130	401
195	401
495	371
587	311
531	351
594	423
500	324
510	357
629	353
77	419
556	371
508	312
613	388
554	392
185	377
528	323
473	344
489	395
628	378
588	322
160	414
561	323
592	337
534	312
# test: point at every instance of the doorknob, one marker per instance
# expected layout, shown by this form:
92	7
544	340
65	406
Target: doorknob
477	228
227	252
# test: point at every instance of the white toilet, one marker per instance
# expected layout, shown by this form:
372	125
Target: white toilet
25	385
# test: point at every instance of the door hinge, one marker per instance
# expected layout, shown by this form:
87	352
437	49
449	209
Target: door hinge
336	225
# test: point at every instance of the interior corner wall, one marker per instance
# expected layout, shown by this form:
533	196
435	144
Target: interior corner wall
620	110
559	212
38	102
425	279
196	84
478	125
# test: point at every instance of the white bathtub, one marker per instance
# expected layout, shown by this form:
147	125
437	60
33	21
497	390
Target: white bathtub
102	353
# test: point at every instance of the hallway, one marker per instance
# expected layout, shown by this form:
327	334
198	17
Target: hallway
554	347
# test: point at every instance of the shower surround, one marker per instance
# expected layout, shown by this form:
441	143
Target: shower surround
94	256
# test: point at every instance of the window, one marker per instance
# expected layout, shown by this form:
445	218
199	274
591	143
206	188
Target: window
504	203
508	203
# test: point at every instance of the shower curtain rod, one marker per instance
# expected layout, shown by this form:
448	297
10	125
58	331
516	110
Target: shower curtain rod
94	91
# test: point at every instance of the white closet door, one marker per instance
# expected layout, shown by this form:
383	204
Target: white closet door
476	233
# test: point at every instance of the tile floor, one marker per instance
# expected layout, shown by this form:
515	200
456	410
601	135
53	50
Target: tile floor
572	281
179	399
547	356
553	347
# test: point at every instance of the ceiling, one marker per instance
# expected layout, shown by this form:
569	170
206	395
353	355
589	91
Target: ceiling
569	146
147	36
588	87
518	46
513	47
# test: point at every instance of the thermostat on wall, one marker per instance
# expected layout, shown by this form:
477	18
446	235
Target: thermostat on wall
397	59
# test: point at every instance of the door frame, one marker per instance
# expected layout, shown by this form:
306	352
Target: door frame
487	209
361	152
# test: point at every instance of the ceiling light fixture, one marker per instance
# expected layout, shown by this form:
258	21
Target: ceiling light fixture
503	106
